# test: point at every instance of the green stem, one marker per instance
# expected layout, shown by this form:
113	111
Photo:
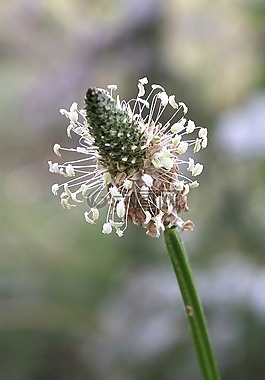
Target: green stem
192	304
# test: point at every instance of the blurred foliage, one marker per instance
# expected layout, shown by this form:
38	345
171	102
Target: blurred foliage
77	304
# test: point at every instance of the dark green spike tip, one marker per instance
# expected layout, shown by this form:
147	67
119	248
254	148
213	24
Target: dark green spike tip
117	137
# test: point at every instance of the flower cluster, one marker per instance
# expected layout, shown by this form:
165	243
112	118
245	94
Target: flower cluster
130	160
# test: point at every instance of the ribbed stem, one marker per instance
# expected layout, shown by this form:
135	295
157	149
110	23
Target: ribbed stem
192	305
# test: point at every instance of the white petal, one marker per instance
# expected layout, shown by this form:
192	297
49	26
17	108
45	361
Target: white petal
190	126
120	209
56	148
148	180
69	170
172	101
198	168
55	188
106	228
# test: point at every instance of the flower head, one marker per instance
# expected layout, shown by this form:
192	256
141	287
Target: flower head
130	159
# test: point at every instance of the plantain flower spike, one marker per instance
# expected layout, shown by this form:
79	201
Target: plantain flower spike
130	160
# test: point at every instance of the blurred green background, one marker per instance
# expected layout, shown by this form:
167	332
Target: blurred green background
75	304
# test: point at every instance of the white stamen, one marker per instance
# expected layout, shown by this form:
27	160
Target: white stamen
148	180
198	168
197	146
56	148
95	213
194	184
112	87
190	126
144	191
148	217
176	140
203	132
204	142
69	170
163	97
128	184
120	210
107	229
182	147
88	220
185	108
172	102
55	188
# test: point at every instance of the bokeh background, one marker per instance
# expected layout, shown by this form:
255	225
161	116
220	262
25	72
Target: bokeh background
75	304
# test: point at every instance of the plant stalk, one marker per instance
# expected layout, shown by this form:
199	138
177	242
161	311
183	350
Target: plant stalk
192	303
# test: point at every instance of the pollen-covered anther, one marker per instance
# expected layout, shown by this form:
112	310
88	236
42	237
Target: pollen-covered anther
120	209
107	228
148	180
69	170
56	149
